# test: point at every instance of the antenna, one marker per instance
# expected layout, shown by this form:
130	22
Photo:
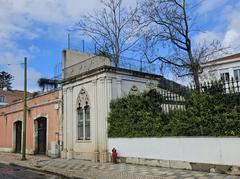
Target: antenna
83	48
57	71
69	41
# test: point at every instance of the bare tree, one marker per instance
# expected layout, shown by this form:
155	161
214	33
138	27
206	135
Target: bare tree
111	28
171	24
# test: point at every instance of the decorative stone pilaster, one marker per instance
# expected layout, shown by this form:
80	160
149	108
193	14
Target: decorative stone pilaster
70	126
119	87
101	117
64	124
106	86
70	154
108	94
95	121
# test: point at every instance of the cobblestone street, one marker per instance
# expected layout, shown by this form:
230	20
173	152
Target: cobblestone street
16	172
94	170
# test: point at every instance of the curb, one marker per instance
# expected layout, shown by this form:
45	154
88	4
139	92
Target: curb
37	169
4	162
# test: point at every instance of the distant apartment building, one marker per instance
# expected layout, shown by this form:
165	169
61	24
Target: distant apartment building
10	96
225	68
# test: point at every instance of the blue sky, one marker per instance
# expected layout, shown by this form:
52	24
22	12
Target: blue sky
38	29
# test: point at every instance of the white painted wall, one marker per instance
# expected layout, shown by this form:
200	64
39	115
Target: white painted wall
212	71
211	150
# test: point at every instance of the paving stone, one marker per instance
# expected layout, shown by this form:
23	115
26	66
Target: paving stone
88	169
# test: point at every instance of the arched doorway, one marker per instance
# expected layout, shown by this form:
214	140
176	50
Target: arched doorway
18	136
41	135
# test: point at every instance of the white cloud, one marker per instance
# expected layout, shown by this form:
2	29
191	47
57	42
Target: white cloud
227	28
26	18
207	37
210	5
232	37
33	49
23	18
17	70
32	19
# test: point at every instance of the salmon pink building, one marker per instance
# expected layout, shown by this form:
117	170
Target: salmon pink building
10	96
43	119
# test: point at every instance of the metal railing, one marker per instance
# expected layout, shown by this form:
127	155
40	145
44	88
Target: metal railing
139	65
124	63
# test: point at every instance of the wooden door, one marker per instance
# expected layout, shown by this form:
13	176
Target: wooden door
18	136
42	135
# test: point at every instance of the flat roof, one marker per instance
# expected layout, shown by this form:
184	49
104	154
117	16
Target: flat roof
226	58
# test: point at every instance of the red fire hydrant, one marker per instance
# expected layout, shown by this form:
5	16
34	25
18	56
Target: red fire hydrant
114	155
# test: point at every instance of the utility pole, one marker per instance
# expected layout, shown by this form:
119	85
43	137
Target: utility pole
24	111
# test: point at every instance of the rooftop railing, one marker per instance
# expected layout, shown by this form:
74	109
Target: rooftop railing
94	62
139	65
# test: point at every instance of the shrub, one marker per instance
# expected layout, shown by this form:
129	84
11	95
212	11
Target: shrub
207	114
136	115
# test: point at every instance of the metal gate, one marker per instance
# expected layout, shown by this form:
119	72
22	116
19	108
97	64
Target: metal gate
42	130
18	137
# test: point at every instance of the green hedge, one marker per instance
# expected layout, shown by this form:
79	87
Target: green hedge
136	115
206	115
211	113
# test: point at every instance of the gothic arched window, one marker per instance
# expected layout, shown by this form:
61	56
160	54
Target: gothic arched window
83	117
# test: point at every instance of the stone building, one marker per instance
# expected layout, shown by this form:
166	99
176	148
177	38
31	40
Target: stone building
89	84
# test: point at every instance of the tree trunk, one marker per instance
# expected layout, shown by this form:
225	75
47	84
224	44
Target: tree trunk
196	81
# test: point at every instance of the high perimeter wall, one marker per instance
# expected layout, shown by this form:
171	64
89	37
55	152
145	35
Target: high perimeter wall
211	154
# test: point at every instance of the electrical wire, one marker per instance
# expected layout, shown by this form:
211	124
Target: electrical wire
9	64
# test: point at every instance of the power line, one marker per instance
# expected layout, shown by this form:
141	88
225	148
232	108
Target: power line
9	64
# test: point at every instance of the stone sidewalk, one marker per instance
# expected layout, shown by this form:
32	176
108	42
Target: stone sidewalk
94	170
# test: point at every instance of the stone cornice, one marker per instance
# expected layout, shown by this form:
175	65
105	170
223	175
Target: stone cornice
110	69
57	101
33	97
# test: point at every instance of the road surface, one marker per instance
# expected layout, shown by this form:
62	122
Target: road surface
16	172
